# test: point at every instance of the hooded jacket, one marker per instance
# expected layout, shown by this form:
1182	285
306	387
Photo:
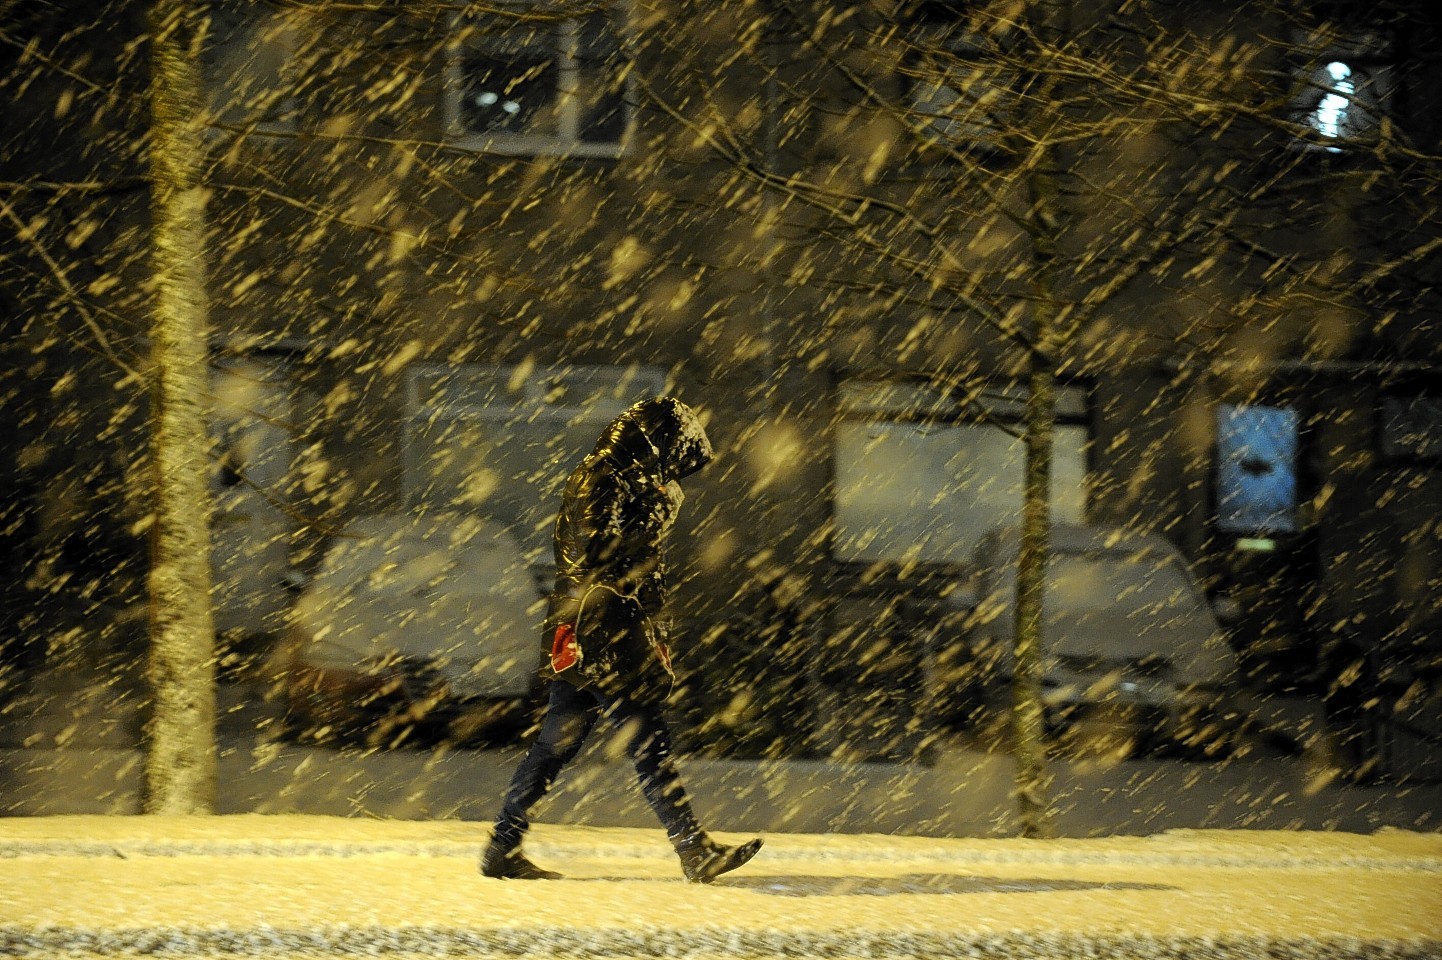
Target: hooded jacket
610	589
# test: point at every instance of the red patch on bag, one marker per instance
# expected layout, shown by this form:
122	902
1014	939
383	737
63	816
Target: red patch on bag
565	652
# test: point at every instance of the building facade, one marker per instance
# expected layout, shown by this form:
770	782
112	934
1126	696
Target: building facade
449	241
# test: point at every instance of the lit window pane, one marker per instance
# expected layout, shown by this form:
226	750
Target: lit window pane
1337	102
1256	469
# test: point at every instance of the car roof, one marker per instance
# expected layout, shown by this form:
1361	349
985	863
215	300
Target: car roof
1005	542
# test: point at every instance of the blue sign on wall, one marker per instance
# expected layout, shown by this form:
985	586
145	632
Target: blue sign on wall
1256	469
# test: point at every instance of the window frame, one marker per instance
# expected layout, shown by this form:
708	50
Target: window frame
1369	54
1406	420
219	99
986	136
567	138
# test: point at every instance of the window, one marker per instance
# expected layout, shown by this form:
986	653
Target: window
921	477
1257	470
1410	428
526	79
250	68
1343	93
501	440
957	86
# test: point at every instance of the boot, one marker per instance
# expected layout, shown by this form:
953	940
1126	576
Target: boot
510	864
703	859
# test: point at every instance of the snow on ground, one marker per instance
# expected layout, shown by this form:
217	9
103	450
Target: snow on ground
315	885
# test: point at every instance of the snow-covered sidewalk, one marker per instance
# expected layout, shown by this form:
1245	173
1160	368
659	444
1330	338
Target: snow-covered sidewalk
328	886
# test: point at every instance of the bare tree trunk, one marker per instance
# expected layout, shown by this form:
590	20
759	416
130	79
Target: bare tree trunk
180	755
1033	782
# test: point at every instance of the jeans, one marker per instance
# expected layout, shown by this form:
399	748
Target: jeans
570	715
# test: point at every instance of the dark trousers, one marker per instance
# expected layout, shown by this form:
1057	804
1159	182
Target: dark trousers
570	715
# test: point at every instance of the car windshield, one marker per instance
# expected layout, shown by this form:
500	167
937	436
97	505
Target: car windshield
1115	584
396	564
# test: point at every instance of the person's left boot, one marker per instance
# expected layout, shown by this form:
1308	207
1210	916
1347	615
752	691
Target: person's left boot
501	863
703	859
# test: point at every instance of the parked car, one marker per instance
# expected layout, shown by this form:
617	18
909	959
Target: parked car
251	571
1125	625
255	412
413	625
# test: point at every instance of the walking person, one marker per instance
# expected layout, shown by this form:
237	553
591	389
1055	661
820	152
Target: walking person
607	641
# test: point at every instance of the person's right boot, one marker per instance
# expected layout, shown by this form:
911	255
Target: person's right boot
703	859
508	863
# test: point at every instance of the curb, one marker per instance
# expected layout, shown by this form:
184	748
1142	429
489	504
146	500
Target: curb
348	941
641	848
